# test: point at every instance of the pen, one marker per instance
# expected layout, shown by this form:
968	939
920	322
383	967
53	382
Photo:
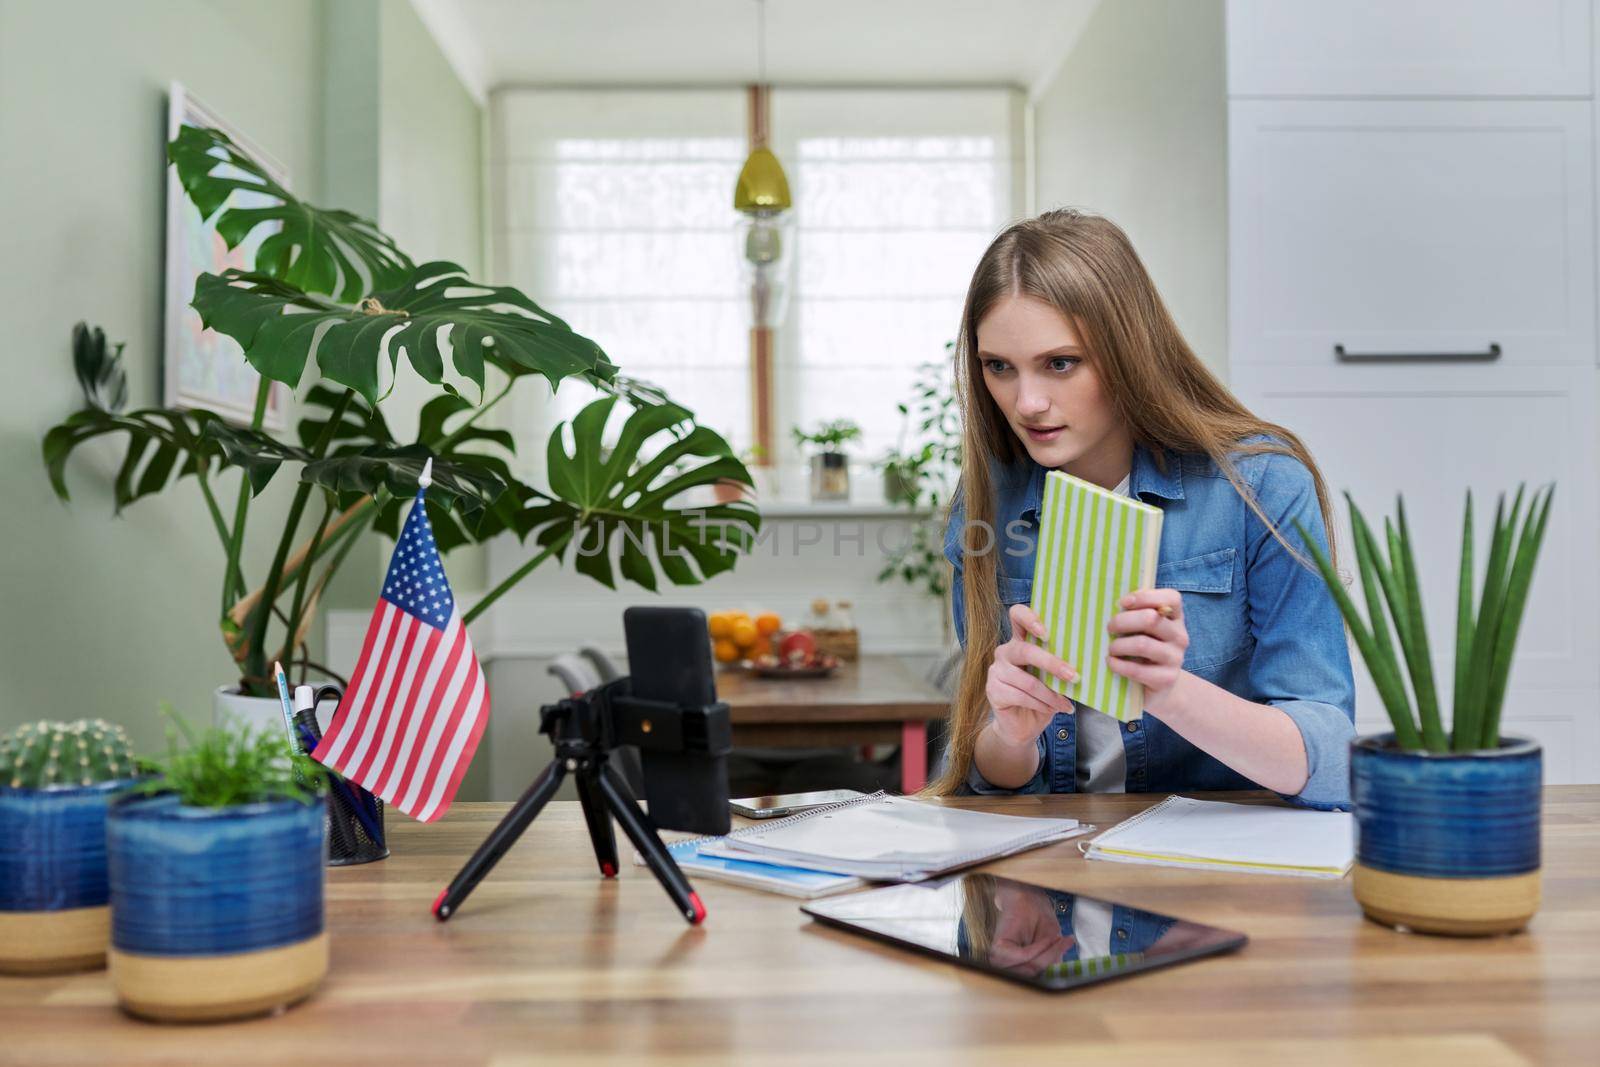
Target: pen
335	823
283	701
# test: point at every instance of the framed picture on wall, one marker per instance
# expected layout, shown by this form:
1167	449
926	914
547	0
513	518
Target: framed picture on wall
203	368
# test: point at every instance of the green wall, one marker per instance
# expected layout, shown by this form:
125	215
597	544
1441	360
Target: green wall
1135	126
109	616
430	191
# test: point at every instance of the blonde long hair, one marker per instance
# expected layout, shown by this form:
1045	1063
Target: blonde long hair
1085	267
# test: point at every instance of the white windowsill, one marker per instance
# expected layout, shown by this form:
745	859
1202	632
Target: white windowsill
837	509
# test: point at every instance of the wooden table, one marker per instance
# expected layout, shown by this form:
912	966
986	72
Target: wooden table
876	699
545	961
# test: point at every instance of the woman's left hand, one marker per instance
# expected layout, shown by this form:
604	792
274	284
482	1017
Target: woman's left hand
1148	645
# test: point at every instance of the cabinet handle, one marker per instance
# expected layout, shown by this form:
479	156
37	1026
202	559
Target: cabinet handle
1486	356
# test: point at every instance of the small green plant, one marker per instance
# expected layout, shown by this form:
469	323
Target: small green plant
829	436
1486	626
40	755
221	767
923	472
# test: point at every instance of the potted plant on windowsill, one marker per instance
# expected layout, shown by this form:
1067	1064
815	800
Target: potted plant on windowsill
729	490
216	874
830	466
56	780
921	482
917	470
1447	824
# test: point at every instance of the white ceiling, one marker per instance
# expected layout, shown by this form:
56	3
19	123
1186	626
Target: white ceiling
667	42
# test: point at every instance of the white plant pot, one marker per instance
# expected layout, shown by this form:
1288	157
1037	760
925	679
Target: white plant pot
230	708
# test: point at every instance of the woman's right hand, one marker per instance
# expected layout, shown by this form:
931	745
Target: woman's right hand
1023	705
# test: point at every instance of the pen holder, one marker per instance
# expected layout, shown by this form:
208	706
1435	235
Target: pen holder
349	840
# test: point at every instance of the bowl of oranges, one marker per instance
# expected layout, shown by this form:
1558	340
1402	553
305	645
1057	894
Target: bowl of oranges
759	643
738	636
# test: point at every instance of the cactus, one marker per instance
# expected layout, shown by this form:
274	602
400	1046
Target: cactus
39	755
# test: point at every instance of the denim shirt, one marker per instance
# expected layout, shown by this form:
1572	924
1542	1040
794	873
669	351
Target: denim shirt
1261	624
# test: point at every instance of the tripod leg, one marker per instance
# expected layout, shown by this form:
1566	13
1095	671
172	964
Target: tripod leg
620	800
501	838
598	817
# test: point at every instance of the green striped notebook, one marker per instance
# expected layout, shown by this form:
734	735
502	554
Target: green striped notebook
1095	547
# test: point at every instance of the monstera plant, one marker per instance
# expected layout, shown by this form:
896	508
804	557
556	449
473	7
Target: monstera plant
333	306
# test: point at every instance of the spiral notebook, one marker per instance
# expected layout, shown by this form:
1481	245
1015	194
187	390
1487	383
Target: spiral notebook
1094	548
753	874
1218	836
892	839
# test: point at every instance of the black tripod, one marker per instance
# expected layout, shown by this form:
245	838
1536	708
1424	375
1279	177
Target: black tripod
584	729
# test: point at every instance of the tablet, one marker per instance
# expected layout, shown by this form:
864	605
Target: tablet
1046	938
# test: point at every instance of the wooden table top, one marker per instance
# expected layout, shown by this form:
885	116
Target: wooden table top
875	688
545	961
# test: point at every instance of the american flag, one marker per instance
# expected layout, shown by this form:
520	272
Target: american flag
417	702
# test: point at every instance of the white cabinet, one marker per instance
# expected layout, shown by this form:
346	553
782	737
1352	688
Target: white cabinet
1408	47
1430	434
1412	290
1382	430
1411	228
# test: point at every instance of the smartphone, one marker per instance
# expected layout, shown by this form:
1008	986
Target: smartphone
789	803
669	659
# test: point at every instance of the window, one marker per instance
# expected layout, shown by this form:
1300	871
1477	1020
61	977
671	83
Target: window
612	208
898	192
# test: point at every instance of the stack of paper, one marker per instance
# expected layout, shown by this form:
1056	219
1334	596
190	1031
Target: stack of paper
1213	835
891	838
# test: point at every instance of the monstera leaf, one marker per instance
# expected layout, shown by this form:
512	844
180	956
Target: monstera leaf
164	444
467	488
359	425
314	249
467	501
280	328
99	370
258	454
621	504
473	451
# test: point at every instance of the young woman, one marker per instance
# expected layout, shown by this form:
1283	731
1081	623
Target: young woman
1068	360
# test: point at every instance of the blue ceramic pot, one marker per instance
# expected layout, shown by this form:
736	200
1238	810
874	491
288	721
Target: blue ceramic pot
216	912
53	890
1447	842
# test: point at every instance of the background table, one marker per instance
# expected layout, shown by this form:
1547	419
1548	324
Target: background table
546	961
876	699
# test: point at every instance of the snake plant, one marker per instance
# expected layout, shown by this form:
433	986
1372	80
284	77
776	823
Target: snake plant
1487	621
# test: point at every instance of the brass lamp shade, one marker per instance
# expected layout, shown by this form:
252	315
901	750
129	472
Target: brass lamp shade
762	185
